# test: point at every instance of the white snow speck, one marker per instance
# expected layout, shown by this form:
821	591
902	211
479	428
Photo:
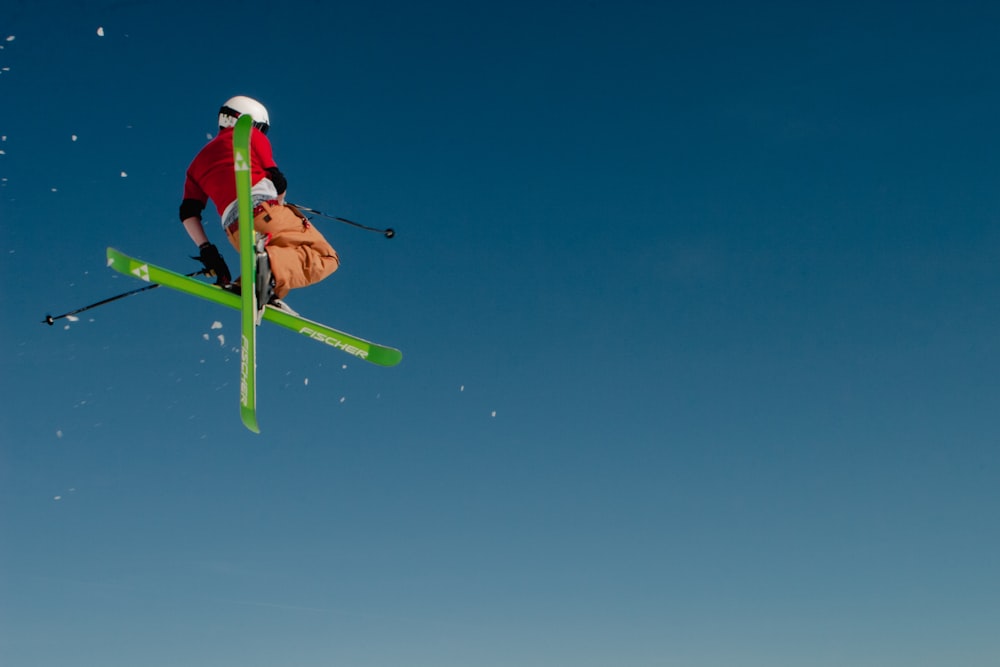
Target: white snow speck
208	136
124	175
344	367
204	336
11	38
55	190
73	137
462	388
222	340
2	152
66	328
307	382
100	31
216	324
59	433
493	414
343	398
57	498
72	318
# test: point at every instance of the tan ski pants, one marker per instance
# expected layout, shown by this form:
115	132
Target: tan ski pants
298	253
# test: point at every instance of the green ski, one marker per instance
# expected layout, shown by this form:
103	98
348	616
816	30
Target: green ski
359	348
248	273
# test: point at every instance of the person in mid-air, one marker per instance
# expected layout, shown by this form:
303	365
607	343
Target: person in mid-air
297	253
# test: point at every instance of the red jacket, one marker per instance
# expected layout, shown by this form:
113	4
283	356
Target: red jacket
210	175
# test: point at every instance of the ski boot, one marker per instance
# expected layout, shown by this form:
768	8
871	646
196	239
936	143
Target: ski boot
278	304
265	281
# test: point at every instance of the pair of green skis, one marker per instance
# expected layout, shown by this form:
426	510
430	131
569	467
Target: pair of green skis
246	301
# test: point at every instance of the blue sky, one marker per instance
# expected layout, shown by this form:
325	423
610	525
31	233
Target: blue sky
698	309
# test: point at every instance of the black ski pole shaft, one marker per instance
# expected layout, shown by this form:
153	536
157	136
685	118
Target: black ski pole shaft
388	232
51	319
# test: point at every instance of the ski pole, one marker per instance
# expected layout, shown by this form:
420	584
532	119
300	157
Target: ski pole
388	232
50	319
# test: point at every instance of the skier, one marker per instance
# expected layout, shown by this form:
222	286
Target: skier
297	253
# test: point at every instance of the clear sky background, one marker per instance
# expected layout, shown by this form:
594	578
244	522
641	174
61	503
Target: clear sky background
699	309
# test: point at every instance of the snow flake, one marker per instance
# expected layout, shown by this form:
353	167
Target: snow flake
343	398
462	388
204	336
306	382
73	137
57	498
72	318
222	340
11	38
493	414
59	433
217	324
100	31
124	175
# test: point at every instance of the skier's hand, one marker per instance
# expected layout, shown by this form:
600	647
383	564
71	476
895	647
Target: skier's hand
215	264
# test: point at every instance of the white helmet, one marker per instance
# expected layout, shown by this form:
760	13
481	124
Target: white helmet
239	105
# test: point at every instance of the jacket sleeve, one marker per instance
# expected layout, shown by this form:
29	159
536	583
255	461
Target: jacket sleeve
195	199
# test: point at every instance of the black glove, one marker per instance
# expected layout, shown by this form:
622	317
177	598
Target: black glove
214	263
